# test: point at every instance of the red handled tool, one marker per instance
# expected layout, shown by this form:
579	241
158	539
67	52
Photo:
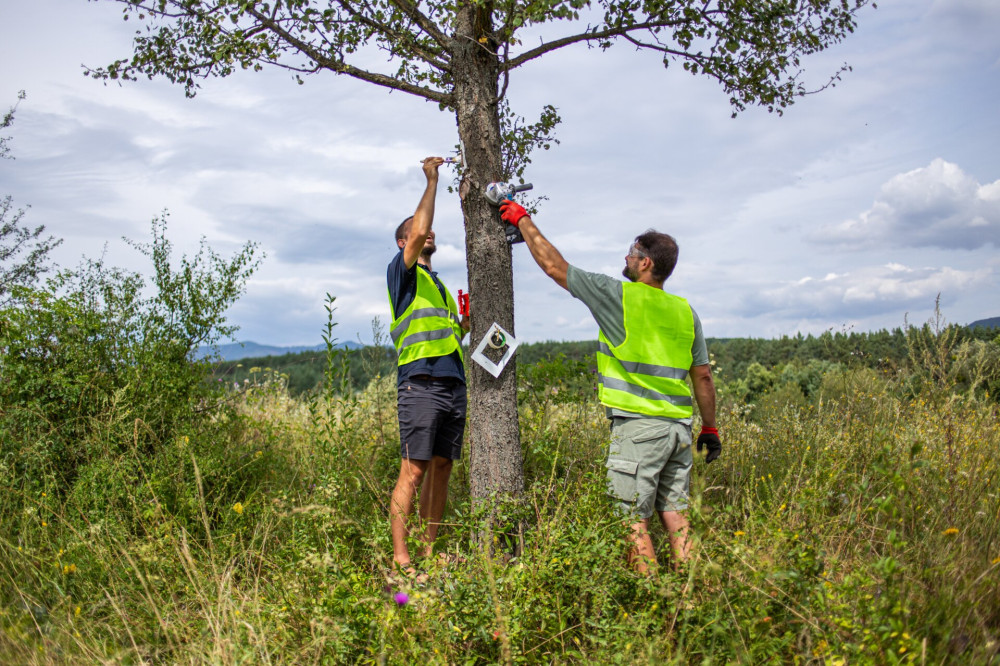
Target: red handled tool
463	304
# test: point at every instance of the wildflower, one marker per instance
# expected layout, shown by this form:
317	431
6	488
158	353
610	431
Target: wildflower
68	569
77	612
496	634
996	560
402	598
238	508
951	531
44	524
739	533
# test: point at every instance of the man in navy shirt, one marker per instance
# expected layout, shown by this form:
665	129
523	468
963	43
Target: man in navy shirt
427	333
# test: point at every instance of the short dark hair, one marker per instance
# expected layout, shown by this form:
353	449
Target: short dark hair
662	249
401	229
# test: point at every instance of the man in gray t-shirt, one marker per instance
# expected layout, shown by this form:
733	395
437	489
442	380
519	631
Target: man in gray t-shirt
650	342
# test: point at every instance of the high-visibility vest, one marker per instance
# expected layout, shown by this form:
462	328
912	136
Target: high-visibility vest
645	374
429	326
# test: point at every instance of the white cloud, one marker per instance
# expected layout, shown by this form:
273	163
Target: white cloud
935	206
892	288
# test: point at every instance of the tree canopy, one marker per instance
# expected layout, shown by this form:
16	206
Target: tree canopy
753	48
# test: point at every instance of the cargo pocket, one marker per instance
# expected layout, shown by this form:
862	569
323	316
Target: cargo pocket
621	479
655	431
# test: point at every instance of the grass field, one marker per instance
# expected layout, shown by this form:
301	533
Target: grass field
856	525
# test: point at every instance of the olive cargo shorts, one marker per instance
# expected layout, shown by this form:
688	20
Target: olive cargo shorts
649	465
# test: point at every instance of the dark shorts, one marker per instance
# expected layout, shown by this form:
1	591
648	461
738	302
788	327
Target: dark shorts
431	418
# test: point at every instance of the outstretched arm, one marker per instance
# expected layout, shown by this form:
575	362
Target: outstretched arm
542	251
423	218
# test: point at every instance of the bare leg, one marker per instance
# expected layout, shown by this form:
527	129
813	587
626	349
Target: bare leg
433	495
676	526
411	474
642	556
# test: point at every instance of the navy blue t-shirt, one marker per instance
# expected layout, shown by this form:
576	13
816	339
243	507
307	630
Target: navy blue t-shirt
402	290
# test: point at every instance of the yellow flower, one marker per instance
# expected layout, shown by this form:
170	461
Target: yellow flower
77	611
238	508
739	533
951	531
68	569
44	524
996	560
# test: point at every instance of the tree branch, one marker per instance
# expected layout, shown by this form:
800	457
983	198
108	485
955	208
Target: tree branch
425	23
341	67
431	57
584	37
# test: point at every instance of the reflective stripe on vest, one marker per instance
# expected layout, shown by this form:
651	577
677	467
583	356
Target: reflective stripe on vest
645	368
646	373
400	328
429	326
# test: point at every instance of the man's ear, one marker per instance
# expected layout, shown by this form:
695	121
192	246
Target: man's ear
400	243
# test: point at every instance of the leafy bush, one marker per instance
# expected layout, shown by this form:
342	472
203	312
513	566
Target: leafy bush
93	368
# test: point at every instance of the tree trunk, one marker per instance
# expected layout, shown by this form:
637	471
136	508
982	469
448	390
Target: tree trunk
496	469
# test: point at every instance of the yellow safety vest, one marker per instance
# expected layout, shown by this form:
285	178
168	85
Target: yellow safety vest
429	326
645	374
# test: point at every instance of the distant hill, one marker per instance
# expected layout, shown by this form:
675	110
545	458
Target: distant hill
992	322
239	350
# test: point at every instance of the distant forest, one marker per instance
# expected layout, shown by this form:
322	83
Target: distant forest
304	371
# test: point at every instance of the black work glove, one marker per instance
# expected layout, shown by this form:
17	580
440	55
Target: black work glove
709	438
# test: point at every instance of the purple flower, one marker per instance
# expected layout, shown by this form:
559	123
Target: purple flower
402	598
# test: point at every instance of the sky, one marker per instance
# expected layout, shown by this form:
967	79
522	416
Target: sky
851	212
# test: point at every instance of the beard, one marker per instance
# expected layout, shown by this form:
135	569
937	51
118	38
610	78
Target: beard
428	251
629	273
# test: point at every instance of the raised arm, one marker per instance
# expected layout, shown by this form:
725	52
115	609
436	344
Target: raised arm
542	251
423	217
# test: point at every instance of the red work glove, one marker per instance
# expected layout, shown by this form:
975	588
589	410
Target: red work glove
709	438
512	212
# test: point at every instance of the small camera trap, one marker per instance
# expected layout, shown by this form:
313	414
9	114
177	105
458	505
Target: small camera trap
495	350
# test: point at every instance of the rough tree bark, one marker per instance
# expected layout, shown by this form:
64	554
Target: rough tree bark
494	446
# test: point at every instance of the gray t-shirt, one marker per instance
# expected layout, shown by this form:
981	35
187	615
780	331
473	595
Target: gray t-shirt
603	297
